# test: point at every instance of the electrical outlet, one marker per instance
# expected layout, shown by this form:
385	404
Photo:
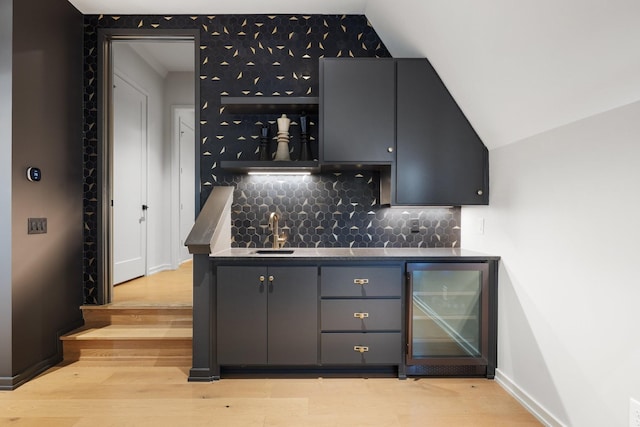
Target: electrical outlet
36	225
414	225
634	413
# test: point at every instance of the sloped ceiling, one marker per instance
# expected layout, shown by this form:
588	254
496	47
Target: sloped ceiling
516	68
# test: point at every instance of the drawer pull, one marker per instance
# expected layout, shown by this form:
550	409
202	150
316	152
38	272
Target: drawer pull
360	315
360	348
360	281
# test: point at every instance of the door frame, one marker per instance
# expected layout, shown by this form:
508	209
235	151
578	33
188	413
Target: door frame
176	160
105	138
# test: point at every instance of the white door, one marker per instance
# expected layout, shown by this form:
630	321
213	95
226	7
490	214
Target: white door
129	181
187	182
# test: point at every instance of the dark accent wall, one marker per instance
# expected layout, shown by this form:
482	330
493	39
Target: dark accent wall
269	55
45	286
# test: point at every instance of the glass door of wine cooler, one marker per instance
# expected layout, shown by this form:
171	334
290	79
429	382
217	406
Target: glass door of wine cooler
448	313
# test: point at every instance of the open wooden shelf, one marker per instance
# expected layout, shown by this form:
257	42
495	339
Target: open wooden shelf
270	104
266	166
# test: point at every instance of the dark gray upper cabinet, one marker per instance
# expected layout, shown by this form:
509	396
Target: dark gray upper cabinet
440	160
357	110
398	112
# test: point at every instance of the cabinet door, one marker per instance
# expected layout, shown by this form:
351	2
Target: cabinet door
357	110
440	159
293	316
242	315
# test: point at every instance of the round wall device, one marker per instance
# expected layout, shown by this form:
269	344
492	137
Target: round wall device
34	174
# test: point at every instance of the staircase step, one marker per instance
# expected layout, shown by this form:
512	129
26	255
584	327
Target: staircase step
112	314
131	333
142	344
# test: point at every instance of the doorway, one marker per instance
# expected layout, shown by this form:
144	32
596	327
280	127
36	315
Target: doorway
183	120
148	137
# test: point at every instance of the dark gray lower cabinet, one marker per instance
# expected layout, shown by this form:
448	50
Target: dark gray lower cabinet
361	315
267	315
414	317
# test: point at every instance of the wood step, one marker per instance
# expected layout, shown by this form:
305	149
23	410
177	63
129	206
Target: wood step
166	345
158	335
118	314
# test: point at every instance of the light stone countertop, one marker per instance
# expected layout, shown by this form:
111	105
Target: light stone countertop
349	253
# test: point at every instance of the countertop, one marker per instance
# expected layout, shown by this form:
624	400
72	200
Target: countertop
353	253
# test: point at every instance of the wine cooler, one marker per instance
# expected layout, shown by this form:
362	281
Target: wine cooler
451	323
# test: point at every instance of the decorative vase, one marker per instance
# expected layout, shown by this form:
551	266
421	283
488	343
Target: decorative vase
305	150
282	152
264	143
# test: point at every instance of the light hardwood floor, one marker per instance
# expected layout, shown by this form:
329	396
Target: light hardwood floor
93	394
84	395
170	287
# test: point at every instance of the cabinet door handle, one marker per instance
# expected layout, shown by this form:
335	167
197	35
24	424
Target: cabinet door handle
270	278
360	315
261	278
360	348
360	281
390	149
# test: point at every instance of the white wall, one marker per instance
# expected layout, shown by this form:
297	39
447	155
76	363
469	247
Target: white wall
179	92
564	214
132	66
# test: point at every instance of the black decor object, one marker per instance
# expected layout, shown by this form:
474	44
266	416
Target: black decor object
264	143
305	150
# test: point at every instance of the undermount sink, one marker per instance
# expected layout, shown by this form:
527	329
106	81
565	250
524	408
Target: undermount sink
274	251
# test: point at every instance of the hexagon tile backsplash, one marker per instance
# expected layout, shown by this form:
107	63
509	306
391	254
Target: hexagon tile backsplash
333	210
270	55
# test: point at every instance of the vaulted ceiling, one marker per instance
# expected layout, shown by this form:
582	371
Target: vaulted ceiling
516	68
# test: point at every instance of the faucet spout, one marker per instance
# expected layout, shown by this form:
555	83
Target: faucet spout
278	241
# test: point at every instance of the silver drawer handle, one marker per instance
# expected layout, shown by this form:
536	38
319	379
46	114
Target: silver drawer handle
360	315
360	348
360	281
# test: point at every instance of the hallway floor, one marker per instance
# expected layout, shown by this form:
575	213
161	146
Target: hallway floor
170	287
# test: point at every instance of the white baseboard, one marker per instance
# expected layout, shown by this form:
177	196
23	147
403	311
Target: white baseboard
159	268
530	404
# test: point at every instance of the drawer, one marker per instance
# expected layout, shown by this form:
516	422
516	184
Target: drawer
377	348
361	281
361	315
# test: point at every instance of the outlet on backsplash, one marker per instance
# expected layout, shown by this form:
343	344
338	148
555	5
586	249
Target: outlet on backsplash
634	413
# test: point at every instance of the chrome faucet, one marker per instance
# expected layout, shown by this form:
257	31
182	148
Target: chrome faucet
278	241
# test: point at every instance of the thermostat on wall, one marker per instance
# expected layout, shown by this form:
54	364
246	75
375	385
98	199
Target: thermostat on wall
34	174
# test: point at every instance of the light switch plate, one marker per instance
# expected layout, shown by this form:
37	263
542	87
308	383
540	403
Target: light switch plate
36	225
